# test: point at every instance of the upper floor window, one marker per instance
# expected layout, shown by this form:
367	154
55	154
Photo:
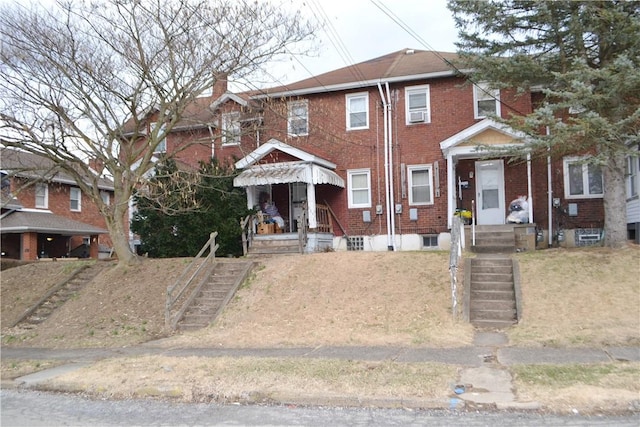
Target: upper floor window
417	104
633	179
75	199
162	144
298	118
581	180
357	111
106	199
231	129
359	182
420	184
486	101
42	195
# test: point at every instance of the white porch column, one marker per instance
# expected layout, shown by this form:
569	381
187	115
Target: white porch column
311	205
529	191
451	193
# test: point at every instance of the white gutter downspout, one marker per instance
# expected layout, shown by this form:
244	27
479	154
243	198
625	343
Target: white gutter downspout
392	202
550	197
529	188
386	165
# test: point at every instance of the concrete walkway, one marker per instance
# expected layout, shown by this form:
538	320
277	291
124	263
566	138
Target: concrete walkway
484	378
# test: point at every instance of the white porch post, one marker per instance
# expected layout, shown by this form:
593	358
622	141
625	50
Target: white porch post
451	194
529	199
311	205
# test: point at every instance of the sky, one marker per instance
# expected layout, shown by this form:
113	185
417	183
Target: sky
358	30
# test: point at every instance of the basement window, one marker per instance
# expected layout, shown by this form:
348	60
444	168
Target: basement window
355	243
429	241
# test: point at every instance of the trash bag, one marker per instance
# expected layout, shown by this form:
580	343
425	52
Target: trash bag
518	211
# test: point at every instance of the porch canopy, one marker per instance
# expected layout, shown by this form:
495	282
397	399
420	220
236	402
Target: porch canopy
306	168
475	142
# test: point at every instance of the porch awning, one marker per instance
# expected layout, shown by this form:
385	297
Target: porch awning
282	173
46	222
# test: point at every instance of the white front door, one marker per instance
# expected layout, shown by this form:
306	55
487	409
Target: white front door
490	192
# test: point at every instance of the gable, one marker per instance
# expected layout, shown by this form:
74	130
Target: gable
485	132
273	146
490	137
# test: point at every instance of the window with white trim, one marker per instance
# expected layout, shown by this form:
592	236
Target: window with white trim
162	145
42	195
231	129
359	182
581	179
633	179
357	111
75	199
298	118
420	182
106	198
417	104
486	101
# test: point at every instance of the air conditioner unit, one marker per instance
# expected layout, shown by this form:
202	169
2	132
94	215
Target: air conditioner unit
417	116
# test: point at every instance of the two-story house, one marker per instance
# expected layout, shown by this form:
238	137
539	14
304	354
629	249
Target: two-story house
388	150
44	213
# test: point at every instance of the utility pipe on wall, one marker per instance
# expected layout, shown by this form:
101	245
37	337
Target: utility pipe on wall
549	197
392	200
386	165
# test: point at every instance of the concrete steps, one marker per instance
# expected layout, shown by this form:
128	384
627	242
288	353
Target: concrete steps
491	239
492	297
215	294
60	294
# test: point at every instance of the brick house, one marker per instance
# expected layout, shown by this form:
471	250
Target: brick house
44	213
386	151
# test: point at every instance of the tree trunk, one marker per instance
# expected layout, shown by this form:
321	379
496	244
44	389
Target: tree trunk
120	236
615	212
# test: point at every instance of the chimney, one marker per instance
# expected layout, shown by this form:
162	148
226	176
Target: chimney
97	165
220	86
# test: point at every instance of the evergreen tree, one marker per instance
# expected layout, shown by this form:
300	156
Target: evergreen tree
585	58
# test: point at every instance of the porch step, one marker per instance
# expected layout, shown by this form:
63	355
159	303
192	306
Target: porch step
216	293
494	239
275	244
492	299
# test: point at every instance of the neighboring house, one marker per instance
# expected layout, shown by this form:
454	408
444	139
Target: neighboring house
390	147
44	213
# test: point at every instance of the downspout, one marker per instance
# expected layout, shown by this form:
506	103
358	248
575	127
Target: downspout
529	191
392	201
549	197
386	165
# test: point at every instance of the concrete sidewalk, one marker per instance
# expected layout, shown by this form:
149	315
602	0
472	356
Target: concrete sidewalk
483	379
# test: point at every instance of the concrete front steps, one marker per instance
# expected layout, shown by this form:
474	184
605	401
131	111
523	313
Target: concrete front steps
61	293
274	244
494	239
216	292
491	299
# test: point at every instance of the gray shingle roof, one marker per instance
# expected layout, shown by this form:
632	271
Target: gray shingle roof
45	222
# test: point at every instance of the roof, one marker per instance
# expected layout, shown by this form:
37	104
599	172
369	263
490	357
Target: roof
45	222
286	172
403	65
273	145
30	165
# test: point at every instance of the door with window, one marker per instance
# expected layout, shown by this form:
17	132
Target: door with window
298	195
490	205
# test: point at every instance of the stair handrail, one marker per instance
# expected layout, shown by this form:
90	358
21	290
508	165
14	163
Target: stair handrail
303	228
457	244
171	321
246	226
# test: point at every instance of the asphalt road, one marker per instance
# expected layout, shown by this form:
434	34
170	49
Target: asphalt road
37	409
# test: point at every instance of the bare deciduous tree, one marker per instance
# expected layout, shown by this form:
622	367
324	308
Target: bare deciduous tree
72	74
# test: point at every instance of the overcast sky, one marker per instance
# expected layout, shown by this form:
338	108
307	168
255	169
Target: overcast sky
358	30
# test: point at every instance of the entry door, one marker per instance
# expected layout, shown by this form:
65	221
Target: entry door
490	192
298	193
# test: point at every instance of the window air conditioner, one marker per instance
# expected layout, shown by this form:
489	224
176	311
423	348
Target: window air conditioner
417	116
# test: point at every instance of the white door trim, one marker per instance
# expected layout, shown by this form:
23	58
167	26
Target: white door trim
490	208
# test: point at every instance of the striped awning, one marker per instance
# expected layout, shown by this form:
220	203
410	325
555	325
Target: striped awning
282	173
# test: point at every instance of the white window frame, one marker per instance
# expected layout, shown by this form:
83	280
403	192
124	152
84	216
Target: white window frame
349	98
350	176
633	176
162	145
420	168
106	197
41	187
295	119
75	191
231	128
482	93
566	162
426	110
